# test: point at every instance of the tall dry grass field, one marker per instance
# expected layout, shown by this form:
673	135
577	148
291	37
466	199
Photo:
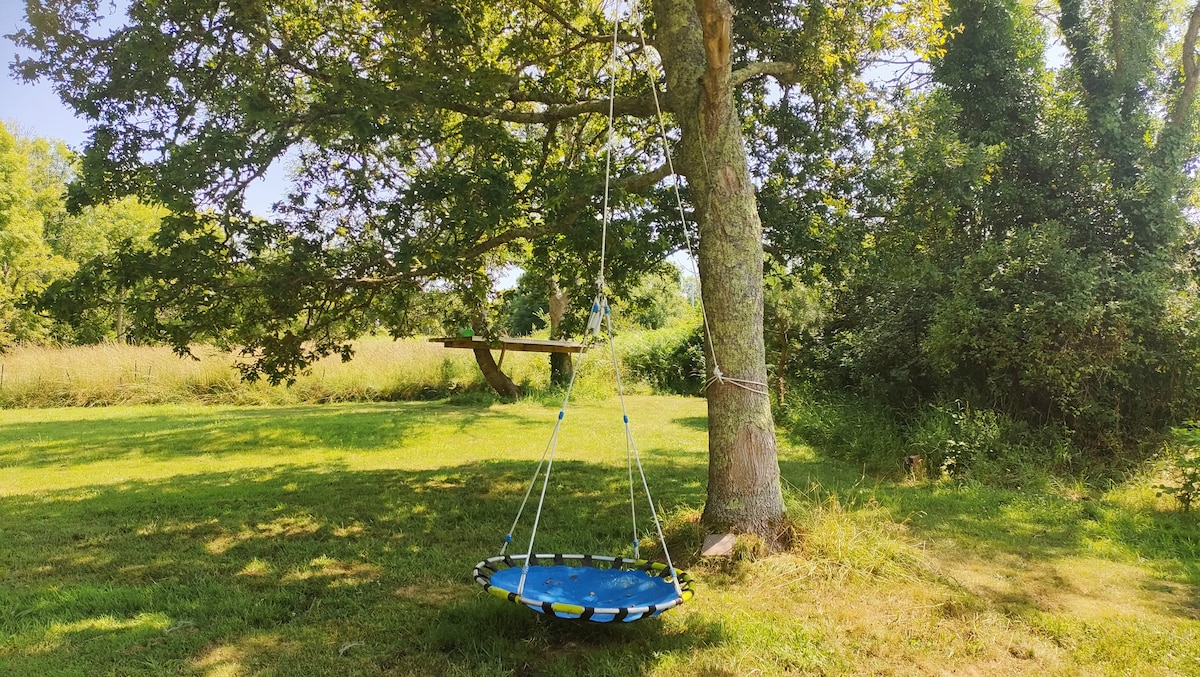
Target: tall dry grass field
382	369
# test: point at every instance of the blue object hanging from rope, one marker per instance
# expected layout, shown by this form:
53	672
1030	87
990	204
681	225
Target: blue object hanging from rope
594	588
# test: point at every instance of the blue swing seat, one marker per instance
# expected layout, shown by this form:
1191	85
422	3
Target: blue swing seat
595	588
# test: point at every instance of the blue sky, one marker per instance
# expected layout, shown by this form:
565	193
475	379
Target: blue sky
34	108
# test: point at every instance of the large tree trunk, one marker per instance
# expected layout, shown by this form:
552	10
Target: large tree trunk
560	363
743	472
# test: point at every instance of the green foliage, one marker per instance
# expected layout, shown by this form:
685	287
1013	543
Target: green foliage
656	302
670	360
1183	467
992	69
846	427
41	244
27	261
525	307
811	138
791	313
954	442
961	444
1029	261
469	139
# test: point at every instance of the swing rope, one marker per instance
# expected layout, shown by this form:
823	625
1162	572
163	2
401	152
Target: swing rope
601	317
757	387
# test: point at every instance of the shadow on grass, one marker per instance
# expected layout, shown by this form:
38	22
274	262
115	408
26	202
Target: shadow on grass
694	422
339	571
1029	534
226	431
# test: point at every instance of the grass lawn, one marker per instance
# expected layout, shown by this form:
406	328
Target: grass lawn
339	539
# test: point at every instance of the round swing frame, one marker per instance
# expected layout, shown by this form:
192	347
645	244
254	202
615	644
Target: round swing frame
648	588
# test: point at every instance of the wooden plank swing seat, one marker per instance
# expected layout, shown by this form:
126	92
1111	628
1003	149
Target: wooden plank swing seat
491	368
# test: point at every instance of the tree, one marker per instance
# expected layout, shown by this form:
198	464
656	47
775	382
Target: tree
1032	253
43	244
27	261
792	310
431	138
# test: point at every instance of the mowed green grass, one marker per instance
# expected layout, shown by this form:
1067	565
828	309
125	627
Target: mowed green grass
339	539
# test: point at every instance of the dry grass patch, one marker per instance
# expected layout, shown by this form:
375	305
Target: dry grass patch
106	375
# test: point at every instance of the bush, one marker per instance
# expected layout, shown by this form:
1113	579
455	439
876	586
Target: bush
961	443
954	441
669	360
846	427
1183	467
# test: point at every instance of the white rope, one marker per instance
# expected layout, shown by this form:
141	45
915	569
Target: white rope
608	146
757	387
632	453
553	446
602	313
631	448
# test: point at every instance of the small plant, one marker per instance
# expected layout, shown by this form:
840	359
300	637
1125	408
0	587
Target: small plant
1183	470
961	437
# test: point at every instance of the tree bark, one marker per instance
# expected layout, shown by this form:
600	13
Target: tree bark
560	363
694	38
497	379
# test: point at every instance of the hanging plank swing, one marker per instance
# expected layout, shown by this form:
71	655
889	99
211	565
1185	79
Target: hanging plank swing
491	368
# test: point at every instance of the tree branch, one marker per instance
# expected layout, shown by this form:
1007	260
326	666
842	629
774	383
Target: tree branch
557	109
777	69
565	23
1182	107
573	210
634	106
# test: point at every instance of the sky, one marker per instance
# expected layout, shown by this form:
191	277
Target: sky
34	109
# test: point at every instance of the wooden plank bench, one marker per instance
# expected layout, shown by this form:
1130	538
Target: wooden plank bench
491	368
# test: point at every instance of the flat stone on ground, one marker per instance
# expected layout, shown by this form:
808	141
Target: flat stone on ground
718	545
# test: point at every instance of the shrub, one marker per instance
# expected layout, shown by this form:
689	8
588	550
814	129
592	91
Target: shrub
846	427
1183	467
961	443
669	360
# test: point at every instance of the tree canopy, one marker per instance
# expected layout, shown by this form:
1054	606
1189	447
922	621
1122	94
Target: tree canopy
944	215
41	244
1033	255
429	139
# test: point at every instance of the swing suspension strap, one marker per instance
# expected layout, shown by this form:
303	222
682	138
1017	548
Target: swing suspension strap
601	317
600	320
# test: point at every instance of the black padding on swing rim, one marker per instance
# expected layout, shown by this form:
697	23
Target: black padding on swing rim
484	570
